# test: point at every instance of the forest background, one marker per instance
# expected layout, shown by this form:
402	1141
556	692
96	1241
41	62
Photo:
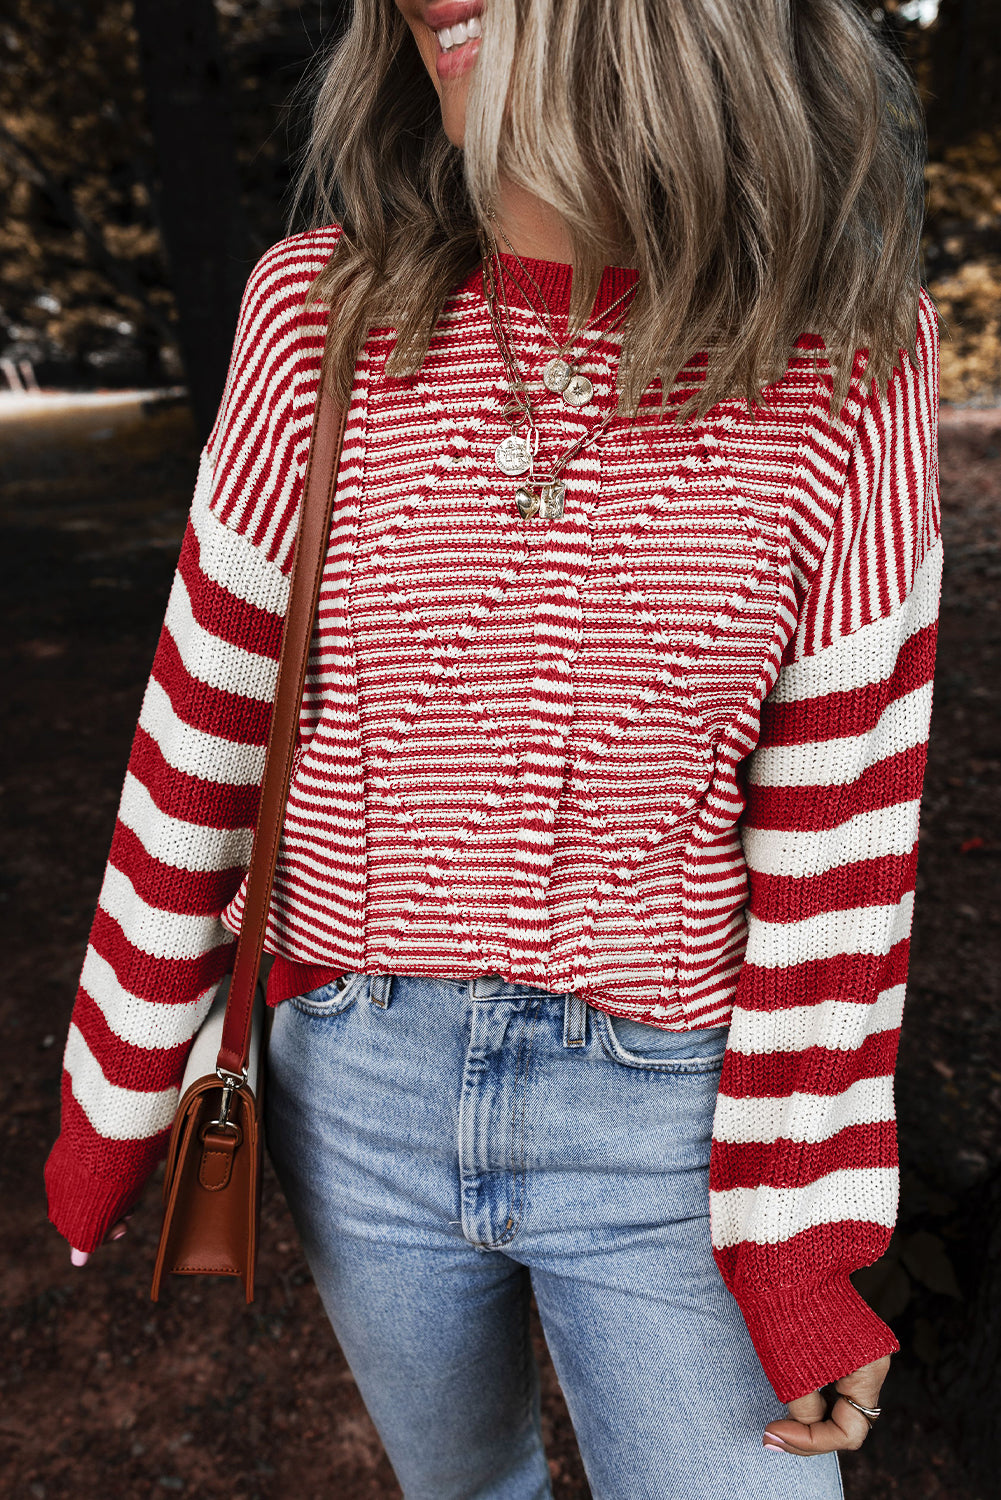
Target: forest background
146	151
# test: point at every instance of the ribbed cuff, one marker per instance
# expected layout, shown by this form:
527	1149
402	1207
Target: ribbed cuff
81	1206
807	1336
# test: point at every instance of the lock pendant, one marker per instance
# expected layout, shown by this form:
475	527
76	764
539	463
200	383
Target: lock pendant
551	504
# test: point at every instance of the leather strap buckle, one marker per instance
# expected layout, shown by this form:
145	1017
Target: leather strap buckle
230	1083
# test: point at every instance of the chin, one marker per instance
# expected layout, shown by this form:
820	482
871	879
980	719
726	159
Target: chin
454	128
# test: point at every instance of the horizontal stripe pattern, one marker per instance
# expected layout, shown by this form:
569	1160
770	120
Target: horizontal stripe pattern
801	1116
181	842
117	1114
834	762
169	840
782	1162
667	752
192	751
803	1176
833	1024
801	853
136	1020
769	1216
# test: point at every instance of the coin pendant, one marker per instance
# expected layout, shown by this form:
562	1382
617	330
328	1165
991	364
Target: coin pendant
579	391
556	375
551	504
513	455
527	502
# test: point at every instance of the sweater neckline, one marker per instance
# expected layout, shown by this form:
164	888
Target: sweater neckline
555	280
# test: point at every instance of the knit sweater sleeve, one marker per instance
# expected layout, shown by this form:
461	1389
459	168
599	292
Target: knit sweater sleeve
803	1175
157	948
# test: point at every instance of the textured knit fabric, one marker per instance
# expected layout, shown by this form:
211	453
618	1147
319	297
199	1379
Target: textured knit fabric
666	752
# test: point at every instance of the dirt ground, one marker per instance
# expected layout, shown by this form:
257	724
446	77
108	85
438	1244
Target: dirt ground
103	1393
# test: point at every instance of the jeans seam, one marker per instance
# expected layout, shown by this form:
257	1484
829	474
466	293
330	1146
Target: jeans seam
319	1011
527	1383
684	1067
518	1157
522	1152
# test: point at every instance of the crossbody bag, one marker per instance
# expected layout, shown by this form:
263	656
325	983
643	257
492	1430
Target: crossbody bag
212	1182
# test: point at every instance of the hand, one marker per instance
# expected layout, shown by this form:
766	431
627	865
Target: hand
81	1257
806	1432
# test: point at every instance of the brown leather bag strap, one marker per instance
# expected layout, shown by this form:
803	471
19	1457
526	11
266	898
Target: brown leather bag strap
312	535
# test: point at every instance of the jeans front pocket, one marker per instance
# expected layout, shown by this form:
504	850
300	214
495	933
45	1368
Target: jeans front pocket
333	998
636	1044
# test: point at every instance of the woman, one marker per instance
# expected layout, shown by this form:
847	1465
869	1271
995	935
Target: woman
590	928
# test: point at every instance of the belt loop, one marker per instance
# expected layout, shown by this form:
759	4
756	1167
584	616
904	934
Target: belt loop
574	1021
380	990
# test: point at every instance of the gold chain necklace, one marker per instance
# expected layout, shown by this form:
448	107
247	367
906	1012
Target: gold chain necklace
515	455
562	374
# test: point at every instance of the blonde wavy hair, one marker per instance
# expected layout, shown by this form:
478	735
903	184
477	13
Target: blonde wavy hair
764	159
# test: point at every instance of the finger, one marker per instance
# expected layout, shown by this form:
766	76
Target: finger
845	1429
78	1257
804	1410
811	1408
864	1385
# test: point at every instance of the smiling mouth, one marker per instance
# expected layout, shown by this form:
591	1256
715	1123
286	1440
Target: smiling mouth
451	38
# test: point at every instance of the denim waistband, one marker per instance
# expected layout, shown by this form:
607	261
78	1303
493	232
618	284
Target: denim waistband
482	987
495	987
380	990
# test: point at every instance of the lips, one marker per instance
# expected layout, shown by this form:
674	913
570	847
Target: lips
450	12
457	59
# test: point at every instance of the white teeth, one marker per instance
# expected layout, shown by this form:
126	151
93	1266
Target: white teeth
455	36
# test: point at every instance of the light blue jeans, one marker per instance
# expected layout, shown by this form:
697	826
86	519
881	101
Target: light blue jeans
448	1146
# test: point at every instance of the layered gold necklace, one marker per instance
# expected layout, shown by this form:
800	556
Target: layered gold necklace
541	497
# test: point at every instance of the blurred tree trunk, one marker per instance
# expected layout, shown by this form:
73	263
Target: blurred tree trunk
206	236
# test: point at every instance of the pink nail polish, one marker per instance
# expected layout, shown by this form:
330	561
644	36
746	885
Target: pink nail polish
118	1235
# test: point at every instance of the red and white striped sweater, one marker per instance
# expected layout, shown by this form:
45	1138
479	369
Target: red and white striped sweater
667	752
